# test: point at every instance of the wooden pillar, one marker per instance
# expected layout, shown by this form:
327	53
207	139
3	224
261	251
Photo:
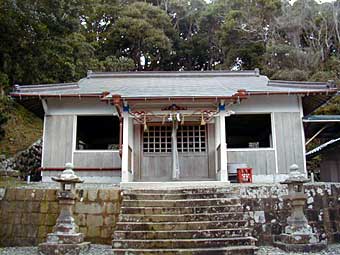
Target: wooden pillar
126	175
174	152
221	146
223	150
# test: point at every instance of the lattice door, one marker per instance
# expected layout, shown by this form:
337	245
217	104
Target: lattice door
189	139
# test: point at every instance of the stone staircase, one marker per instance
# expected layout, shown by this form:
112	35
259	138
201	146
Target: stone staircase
182	221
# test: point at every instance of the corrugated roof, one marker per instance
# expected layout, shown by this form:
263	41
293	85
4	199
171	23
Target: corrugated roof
322	118
172	84
328	145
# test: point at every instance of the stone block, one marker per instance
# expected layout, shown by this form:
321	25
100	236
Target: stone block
6	230
83	230
44	206
93	231
3	216
10	194
19	230
51	195
92	195
112	208
15	206
106	232
20	194
42	232
109	221
26	219
94	221
92	208
114	194
35	194
53	207
51	219
33	206
80	219
42	219
104	195
16	218
32	231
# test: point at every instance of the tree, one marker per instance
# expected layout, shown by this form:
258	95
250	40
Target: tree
141	29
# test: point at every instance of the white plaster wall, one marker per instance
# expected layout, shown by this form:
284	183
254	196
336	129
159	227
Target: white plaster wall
79	106
273	103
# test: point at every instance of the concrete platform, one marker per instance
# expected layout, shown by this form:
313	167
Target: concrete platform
174	185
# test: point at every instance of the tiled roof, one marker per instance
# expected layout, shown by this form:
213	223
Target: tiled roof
172	84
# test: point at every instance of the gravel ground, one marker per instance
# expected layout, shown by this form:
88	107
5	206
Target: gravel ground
95	250
333	249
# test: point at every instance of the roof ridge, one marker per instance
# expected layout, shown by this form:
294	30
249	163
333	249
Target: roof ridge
139	74
42	87
302	84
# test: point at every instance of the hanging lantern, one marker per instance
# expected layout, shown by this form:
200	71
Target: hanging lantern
145	125
202	120
170	117
178	117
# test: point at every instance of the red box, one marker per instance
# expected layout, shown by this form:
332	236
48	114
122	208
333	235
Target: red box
245	175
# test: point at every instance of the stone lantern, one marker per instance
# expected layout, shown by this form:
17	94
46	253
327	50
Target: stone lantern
298	235
65	240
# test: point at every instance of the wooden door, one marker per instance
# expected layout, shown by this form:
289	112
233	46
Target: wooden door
192	143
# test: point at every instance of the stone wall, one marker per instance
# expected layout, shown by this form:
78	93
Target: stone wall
27	215
269	210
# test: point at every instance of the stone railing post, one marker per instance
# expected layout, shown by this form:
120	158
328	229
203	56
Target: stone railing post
65	239
298	235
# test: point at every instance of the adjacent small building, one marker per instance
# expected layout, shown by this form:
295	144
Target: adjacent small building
173	126
327	129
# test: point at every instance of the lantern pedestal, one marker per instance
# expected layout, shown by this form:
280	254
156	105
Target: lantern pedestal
298	235
65	240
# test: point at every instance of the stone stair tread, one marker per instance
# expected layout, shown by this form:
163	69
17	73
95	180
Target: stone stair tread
184	214
178	222
180	230
189	239
183	200
180	194
204	190
178	207
188	250
181	233
187	221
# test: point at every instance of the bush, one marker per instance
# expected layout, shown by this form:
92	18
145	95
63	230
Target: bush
290	75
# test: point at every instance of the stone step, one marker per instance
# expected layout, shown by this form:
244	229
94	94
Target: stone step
234	250
196	225
175	196
177	185
186	234
180	191
180	210
183	243
183	217
181	202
